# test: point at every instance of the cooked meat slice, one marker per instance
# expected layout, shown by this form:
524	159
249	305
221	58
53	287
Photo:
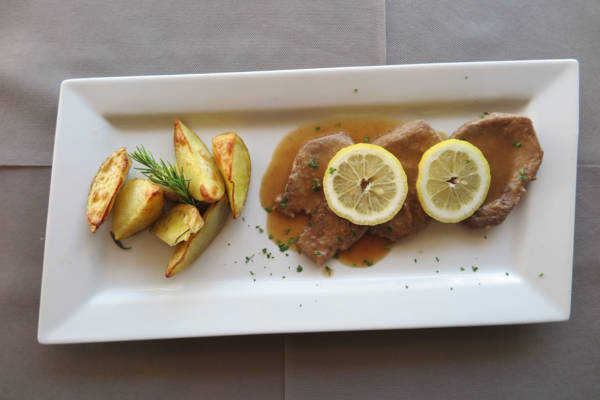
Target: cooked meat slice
327	234
303	191
407	143
511	147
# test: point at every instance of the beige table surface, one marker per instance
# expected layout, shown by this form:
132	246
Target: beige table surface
42	43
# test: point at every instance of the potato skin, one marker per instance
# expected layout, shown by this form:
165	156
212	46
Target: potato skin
178	224
139	204
105	186
233	160
186	252
198	165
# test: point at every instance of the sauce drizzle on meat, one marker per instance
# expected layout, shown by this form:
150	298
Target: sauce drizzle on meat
369	248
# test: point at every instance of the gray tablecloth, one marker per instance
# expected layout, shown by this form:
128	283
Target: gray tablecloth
45	42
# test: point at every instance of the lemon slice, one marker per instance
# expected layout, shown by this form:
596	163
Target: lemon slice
365	184
454	178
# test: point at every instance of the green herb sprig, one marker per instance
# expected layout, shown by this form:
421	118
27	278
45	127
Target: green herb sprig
164	174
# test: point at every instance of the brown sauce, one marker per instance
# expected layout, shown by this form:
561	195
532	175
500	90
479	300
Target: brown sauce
366	252
370	248
495	150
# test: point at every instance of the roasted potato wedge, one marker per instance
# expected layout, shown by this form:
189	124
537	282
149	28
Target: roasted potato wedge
178	224
233	160
105	187
185	253
139	204
198	165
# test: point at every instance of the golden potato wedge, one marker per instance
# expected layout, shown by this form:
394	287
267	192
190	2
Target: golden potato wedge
198	165
105	187
139	204
233	160
185	253
178	224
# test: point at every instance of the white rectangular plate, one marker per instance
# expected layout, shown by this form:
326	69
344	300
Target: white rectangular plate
94	291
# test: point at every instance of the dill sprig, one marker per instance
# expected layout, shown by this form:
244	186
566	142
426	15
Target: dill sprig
164	174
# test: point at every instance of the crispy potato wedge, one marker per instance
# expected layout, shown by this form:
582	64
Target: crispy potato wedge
178	224
105	187
198	165
233	160
185	253
139	204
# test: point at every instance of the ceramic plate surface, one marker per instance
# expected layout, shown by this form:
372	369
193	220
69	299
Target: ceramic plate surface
94	291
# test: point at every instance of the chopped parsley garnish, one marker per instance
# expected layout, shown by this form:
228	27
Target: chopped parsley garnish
388	246
317	253
355	90
462	268
313	163
517	144
522	171
309	223
268	209
405	286
523	178
331	170
264	250
415	260
437	271
339	238
389	228
252	273
328	269
437	259
317	128
299	268
261	230
541	275
451	288
474	268
336	255
353	233
287	231
316	188
249	258
368	263
506	273
270	236
485	113
283	247
366	139
468	161
292	240
283	202
283	277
